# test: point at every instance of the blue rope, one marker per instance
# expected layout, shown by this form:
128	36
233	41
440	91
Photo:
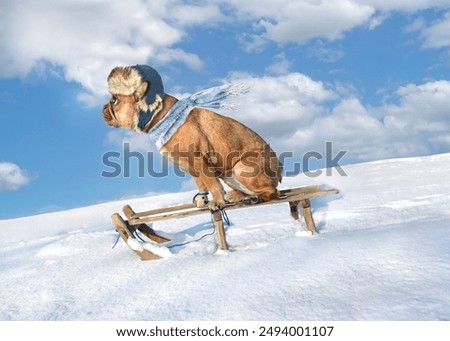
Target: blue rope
136	234
195	240
117	240
225	218
200	193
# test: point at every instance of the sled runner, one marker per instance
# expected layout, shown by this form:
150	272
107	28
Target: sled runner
296	197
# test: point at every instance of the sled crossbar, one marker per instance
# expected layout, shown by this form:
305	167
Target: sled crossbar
296	197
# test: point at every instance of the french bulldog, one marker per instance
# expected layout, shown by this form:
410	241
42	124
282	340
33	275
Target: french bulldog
209	146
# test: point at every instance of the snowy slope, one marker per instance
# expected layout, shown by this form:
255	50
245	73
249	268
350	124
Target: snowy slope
383	253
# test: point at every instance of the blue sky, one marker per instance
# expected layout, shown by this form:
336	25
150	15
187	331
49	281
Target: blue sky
373	77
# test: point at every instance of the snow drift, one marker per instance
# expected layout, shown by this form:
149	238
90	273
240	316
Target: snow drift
382	254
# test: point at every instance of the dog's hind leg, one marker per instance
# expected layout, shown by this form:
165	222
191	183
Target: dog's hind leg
238	193
235	196
254	181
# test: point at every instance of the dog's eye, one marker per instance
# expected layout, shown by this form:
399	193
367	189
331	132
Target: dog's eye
114	101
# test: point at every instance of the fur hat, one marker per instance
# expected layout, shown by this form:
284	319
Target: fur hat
126	80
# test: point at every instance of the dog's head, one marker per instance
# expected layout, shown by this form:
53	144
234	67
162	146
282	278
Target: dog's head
137	93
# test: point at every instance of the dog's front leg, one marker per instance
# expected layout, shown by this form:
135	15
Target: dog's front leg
201	198
216	189
206	179
206	175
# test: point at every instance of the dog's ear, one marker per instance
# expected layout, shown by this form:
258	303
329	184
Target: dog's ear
141	91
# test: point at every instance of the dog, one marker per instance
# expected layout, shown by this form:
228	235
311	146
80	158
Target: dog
209	146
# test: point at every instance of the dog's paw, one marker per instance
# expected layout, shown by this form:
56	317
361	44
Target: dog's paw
252	200
235	196
215	206
238	196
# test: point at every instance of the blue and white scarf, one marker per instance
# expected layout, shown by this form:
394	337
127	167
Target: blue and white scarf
212	98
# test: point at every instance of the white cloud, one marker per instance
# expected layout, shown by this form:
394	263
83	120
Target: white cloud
279	106
300	21
287	21
280	65
12	177
137	142
422	115
403	5
437	35
418	124
185	14
296	113
417	25
433	34
85	39
325	54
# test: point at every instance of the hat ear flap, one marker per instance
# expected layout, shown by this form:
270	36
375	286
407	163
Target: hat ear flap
140	92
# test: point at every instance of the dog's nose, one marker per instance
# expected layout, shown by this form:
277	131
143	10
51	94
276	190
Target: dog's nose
106	115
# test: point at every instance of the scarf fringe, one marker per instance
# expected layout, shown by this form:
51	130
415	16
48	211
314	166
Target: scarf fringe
212	98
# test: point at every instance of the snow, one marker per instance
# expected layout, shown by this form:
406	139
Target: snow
382	254
157	249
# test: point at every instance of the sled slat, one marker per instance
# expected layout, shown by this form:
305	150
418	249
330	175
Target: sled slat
144	228
163	210
220	231
283	193
293	205
125	233
192	210
307	215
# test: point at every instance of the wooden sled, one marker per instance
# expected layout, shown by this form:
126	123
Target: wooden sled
296	197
